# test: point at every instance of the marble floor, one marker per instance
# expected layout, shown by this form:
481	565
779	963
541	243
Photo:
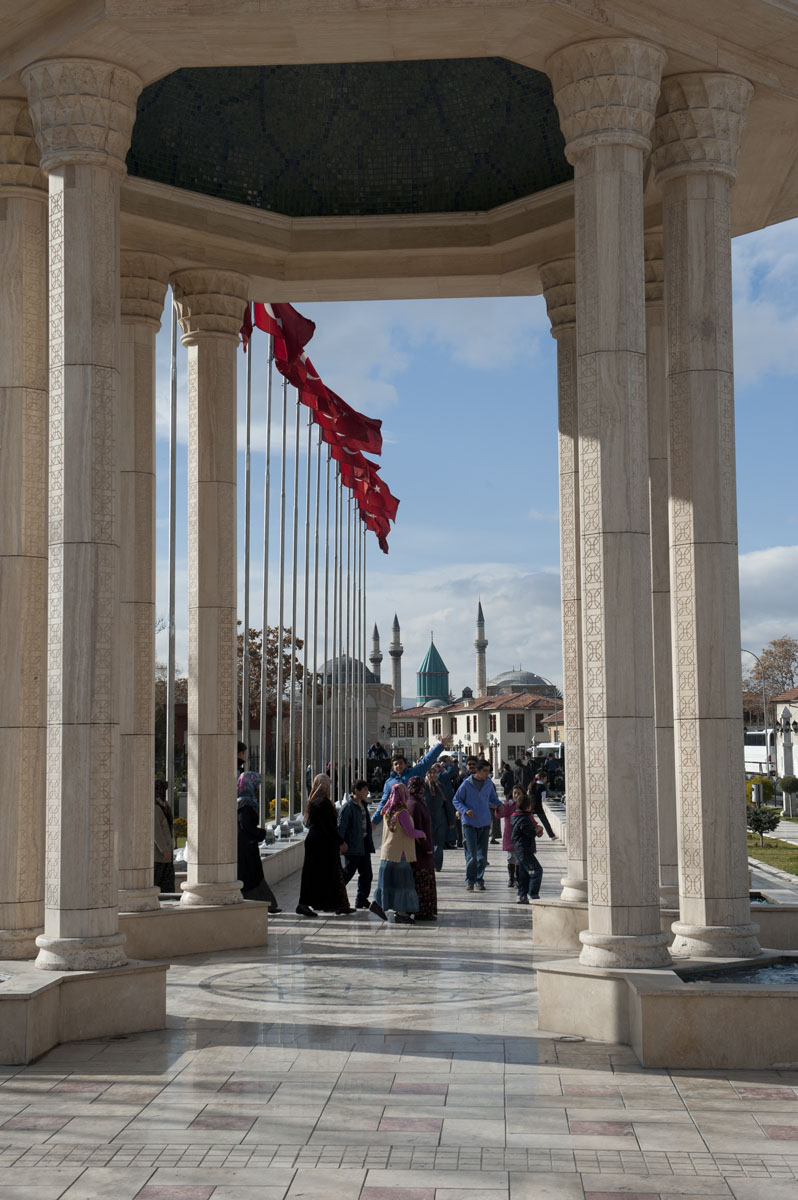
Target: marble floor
353	1060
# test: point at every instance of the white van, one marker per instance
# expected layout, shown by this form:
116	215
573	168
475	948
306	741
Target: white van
760	751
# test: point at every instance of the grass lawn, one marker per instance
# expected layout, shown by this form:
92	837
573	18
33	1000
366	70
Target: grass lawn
775	852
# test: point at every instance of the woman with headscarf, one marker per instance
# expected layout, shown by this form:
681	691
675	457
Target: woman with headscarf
250	834
322	885
424	866
395	887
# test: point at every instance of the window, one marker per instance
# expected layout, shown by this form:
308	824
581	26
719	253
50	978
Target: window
400	730
436	725
515	722
492	722
453	721
419	732
468	724
392	730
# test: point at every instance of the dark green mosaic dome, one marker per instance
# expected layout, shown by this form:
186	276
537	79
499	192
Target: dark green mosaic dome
353	139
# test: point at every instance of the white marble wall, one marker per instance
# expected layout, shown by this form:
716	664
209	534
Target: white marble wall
144	279
210	307
696	140
606	93
23	529
83	113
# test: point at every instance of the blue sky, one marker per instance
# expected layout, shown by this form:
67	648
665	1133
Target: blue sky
466	390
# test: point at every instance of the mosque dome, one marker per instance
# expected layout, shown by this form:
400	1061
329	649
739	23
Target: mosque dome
518	681
357	670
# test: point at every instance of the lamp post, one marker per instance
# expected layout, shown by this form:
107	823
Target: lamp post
764	705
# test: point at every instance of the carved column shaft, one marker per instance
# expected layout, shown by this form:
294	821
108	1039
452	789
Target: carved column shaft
143	286
83	112
605	93
23	530
209	305
656	387
559	289
697	136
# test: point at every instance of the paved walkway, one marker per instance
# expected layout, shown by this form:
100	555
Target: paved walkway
358	1061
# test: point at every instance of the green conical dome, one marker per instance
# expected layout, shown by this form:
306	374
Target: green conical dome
432	677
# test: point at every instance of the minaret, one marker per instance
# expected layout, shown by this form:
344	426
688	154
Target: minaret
395	650
375	658
480	645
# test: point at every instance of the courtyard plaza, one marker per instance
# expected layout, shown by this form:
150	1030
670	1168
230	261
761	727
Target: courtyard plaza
354	1060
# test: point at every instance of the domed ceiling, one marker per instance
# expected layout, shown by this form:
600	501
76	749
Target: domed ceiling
353	139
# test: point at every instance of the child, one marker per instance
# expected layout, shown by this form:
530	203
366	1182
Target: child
510	807
529	870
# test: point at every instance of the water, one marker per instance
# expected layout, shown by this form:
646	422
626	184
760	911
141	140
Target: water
774	974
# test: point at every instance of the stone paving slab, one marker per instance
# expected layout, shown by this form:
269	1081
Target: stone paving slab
353	1060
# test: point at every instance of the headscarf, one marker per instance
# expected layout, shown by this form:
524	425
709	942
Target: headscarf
396	801
248	784
415	787
319	790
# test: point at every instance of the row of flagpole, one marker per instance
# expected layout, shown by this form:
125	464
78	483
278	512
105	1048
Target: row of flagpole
340	496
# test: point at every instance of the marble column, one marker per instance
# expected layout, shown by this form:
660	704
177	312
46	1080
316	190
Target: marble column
23	530
210	305
606	93
696	139
656	388
83	112
143	286
559	288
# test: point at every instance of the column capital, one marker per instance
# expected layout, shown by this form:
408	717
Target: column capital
559	290
83	111
699	124
606	92
19	155
655	268
144	278
209	302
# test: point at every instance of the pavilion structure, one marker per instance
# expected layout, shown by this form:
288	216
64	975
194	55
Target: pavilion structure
625	144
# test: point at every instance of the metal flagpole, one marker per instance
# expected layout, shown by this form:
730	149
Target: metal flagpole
264	799
292	673
357	666
364	738
340	749
278	757
314	746
362	642
303	758
170	671
348	678
326	693
247	505
334	660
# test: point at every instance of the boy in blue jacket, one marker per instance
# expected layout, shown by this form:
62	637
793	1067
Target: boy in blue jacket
476	801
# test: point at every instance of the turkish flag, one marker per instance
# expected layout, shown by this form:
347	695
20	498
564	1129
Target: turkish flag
290	330
378	525
246	327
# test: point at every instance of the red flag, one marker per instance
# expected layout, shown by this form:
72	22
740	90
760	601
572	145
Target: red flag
290	330
378	525
246	326
358	428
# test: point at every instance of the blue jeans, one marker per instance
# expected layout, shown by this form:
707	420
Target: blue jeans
528	874
475	840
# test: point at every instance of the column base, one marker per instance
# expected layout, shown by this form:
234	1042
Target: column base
218	892
574	889
138	899
619	950
19	943
81	954
715	941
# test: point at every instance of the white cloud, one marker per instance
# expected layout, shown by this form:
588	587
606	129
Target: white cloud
766	303
768	588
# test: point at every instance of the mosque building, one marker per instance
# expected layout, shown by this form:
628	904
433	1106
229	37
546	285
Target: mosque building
500	719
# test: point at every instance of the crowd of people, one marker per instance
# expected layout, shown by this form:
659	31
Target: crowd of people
425	808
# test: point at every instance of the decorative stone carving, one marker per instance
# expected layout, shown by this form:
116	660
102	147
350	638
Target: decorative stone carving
706	112
559	288
20	168
699	125
210	307
83	111
606	93
144	279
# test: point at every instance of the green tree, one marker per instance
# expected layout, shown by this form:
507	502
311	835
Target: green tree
780	663
768	788
762	820
256	659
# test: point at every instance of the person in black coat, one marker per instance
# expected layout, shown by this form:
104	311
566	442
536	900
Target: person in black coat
250	834
322	884
354	826
536	791
529	872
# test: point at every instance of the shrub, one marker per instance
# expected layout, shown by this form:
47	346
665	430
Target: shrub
789	785
180	827
761	820
768	788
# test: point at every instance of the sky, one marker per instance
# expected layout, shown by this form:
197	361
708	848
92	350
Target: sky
467	393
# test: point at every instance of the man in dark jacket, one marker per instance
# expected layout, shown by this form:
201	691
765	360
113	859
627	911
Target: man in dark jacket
529	872
354	826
